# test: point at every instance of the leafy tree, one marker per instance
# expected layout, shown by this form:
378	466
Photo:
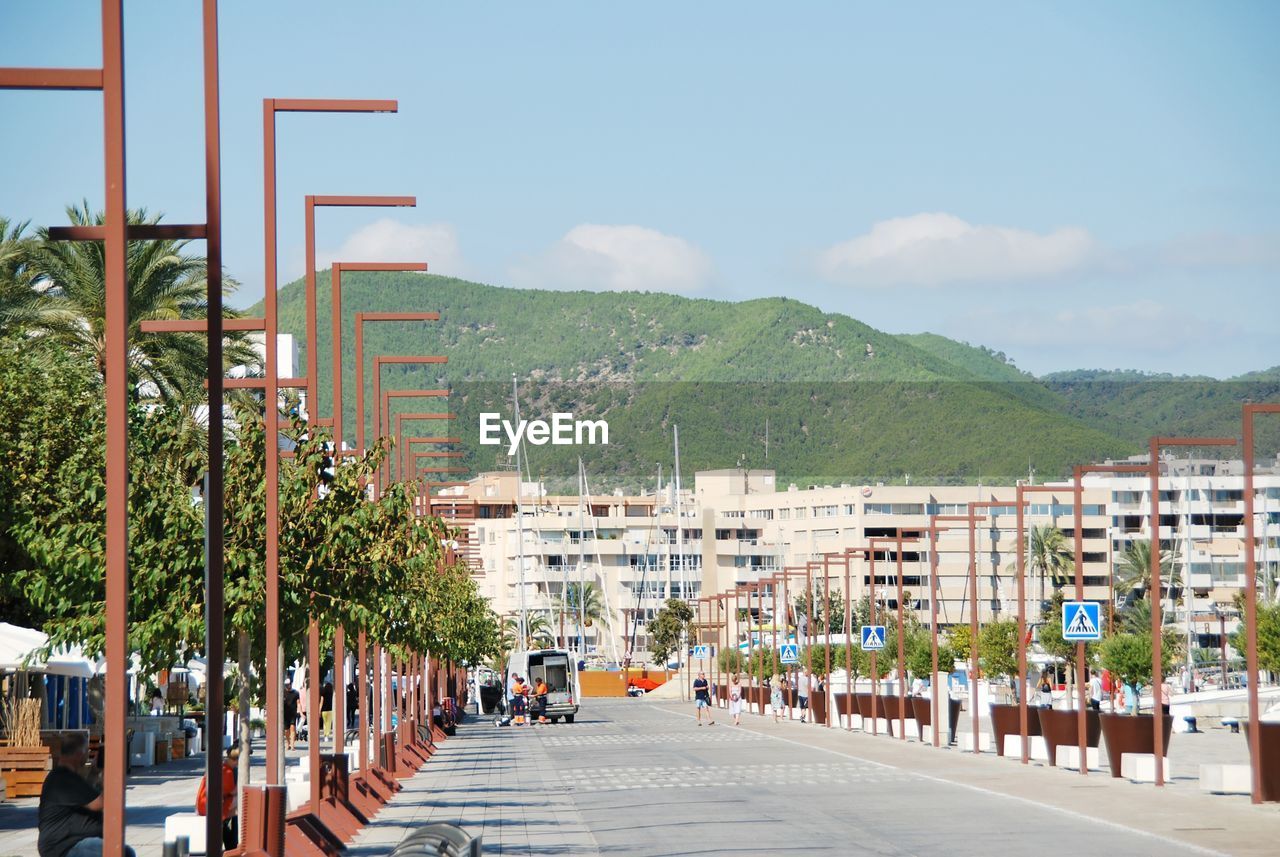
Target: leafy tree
998	648
920	653
732	660
959	642
669	628
1268	635
828	610
1128	657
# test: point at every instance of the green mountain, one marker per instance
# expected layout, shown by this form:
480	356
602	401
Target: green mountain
839	401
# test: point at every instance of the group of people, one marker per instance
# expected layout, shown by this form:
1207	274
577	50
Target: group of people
527	701
805	685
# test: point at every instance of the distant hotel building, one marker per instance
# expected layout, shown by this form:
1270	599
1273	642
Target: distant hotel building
736	527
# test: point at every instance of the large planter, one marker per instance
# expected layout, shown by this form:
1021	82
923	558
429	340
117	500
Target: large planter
1007	720
1060	727
845	706
869	703
921	707
818	707
1131	733
1269	738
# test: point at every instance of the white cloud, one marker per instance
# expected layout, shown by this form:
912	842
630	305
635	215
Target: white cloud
389	240
618	258
1137	326
932	249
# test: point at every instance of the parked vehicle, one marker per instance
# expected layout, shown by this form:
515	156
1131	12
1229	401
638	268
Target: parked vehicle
559	668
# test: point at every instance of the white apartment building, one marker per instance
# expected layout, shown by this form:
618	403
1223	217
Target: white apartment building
736	528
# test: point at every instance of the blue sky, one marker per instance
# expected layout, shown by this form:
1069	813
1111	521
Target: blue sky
1010	174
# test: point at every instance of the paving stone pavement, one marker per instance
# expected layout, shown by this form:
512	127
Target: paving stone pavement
637	778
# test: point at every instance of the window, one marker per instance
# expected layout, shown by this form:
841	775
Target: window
876	509
733	514
947	509
766	514
848	509
784	514
801	512
825	511
826	534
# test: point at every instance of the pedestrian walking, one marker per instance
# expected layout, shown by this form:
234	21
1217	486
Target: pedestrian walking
353	704
775	699
802	691
326	710
290	725
1095	692
1045	691
702	698
735	699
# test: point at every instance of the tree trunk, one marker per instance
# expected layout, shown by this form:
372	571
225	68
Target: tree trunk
242	715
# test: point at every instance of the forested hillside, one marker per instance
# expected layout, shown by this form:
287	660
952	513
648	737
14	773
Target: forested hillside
842	401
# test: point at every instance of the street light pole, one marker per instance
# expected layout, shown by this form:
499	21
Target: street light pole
1157	622
1252	672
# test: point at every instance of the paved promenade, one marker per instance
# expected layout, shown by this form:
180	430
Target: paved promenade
637	777
641	778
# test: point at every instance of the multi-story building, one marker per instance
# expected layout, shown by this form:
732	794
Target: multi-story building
735	528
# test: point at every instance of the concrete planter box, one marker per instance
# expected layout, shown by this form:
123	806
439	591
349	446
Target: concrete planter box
922	709
1269	738
872	706
1007	720
1060	728
1130	733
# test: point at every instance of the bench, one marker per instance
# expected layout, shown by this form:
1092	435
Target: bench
438	839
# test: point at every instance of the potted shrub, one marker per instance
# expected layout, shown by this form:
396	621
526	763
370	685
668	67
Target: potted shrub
855	661
919	651
876	705
1060	726
998	656
1128	657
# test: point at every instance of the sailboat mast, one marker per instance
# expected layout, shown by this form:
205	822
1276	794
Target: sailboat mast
582	574
524	619
684	592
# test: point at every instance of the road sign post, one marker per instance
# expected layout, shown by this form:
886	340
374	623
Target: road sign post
789	653
1080	621
872	638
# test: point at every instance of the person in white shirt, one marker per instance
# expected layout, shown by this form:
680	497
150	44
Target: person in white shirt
802	691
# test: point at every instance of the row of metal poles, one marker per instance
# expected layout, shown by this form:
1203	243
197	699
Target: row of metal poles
724	607
115	233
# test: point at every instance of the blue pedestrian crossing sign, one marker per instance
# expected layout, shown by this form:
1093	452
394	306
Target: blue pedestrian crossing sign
872	638
789	653
1080	621
701	652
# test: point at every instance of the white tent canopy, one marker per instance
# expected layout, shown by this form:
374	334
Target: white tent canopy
17	647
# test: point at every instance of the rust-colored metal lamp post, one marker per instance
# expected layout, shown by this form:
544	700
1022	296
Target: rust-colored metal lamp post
971	519
274	683
1157	620
897	541
1251	598
114	233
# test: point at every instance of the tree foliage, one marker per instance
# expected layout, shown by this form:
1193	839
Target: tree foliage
668	629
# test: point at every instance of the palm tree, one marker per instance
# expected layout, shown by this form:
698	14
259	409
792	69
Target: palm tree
537	629
16	293
592	603
1134	570
70	308
1050	556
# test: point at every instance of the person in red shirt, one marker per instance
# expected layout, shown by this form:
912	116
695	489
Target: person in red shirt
230	773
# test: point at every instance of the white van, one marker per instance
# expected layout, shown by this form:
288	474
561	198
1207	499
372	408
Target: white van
558	669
